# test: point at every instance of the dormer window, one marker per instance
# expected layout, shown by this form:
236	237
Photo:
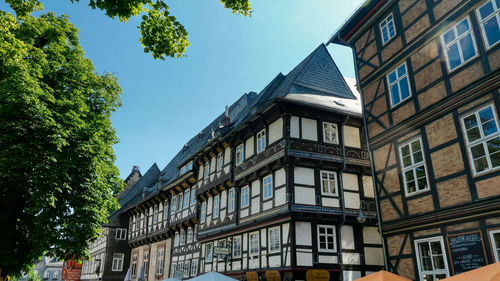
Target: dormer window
240	154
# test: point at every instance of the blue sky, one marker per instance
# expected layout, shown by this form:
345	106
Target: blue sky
166	102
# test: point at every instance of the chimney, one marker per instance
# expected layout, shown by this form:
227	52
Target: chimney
227	120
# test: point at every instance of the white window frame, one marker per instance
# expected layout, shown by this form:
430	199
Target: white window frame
414	166
194	267
206	170
397	82
231	200
240	154
193	195
245	197
155	214
180	202
496	14
454	41
117	262
216	209
482	140
145	262
176	239
335	187
121	234
134	265
220	161
186	268
237	247
326	135
267	187
173	206
326	227
261	141
251	250
182	238
417	254
271	240
495	248
160	259
187	198
46	274
173	268
189	235
386	22
209	250
203	212
55	275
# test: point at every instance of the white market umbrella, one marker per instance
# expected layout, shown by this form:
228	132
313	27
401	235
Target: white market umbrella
213	276
128	277
142	274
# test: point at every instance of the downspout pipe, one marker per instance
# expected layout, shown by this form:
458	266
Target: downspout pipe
372	166
342	199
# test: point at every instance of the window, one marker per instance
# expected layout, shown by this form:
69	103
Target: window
231	200
165	210
268	187
483	139
173	208
326	238
117	262
189	238
203	215
237	247
328	183
121	234
182	237
103	260
495	243
179	202
458	44
239	154
174	268
414	170
46	274
220	161
489	18
216	206
245	200
55	275
155	214
193	195
187	267
206	170
261	141
134	265
186	198
176	239
145	262
210	251
159	261
399	85
387	29
330	133
254	244
274	239
431	259
194	267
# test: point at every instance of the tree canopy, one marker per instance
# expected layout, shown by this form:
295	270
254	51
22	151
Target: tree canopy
161	34
57	172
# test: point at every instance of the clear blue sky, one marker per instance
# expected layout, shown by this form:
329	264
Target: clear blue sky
166	102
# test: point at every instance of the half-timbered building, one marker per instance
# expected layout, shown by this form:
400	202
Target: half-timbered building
428	71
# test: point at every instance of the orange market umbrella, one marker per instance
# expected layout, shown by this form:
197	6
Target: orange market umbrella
486	273
383	276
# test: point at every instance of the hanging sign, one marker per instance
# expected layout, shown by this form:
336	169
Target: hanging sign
317	275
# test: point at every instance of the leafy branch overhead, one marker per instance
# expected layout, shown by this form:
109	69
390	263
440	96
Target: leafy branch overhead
161	34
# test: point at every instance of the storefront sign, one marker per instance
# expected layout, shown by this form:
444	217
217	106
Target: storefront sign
252	276
466	252
273	275
221	251
317	275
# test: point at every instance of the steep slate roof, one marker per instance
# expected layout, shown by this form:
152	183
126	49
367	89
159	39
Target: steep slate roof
316	81
134	194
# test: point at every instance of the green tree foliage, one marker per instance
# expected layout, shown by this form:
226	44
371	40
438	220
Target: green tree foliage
57	172
162	35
